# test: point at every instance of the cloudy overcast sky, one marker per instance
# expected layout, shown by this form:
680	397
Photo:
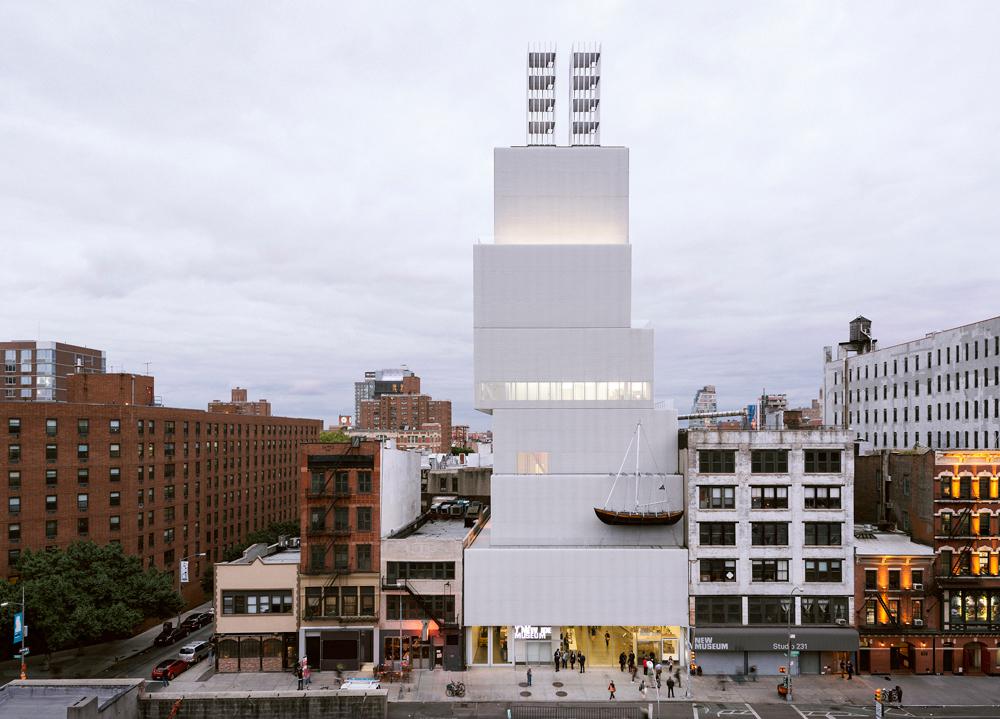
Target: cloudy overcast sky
283	195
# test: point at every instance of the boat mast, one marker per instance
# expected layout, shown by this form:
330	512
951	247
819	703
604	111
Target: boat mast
638	436
620	468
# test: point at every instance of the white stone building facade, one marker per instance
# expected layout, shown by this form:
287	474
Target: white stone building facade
940	391
770	517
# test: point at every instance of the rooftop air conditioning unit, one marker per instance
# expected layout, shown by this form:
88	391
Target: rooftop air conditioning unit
918	587
918	622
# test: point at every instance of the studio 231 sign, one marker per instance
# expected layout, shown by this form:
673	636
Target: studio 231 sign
529	632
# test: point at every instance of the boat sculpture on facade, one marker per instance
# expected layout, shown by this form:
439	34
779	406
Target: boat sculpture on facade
638	514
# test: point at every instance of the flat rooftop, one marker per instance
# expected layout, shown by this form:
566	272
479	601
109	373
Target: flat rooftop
442	528
49	699
896	544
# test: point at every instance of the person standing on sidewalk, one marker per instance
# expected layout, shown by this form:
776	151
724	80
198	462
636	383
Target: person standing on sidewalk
621	661
583	660
670	688
611	688
529	676
850	669
555	658
607	640
572	659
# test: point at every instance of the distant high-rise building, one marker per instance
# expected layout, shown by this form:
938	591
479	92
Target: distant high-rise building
240	405
383	381
941	390
397	404
36	371
704	401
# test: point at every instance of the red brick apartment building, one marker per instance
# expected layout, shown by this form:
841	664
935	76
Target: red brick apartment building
239	404
110	466
950	501
340	517
407	410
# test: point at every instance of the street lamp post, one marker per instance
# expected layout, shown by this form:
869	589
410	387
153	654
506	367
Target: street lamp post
179	587
24	632
788	663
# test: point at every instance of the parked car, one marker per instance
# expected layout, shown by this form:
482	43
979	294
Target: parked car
194	652
169	668
163	638
179	633
197	621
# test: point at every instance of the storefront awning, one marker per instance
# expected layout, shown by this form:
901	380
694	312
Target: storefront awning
770	639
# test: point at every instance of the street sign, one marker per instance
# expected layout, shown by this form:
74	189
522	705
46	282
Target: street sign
25	652
184	571
795	652
18	627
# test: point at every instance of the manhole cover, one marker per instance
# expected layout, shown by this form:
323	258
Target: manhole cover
561	693
525	694
557	684
523	684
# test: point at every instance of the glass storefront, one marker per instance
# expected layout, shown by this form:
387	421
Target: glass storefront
602	645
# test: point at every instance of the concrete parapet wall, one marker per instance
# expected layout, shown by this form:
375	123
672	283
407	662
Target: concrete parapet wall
266	705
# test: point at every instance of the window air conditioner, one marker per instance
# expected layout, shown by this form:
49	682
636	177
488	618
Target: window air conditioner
841	622
917	587
918	622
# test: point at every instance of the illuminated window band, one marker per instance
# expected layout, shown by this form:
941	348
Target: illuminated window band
625	391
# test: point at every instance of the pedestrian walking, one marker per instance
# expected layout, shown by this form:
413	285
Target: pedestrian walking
850	669
635	670
555	658
583	661
843	669
611	689
166	680
645	667
298	675
565	658
572	659
622	660
659	670
529	676
670	688
607	640
642	688
631	659
677	675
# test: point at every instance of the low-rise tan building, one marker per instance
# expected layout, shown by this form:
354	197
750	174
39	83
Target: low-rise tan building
256	599
422	593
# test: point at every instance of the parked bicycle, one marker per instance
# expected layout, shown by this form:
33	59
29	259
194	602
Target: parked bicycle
455	689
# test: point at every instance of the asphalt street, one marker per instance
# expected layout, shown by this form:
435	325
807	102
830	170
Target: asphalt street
141	665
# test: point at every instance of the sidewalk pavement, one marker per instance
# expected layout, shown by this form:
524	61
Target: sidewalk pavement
490	684
90	661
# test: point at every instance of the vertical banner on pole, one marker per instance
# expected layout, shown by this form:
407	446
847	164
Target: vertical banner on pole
184	571
18	627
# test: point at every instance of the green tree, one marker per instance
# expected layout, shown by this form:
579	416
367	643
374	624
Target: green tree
87	593
336	435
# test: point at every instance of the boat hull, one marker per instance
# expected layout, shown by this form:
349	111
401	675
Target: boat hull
639	519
